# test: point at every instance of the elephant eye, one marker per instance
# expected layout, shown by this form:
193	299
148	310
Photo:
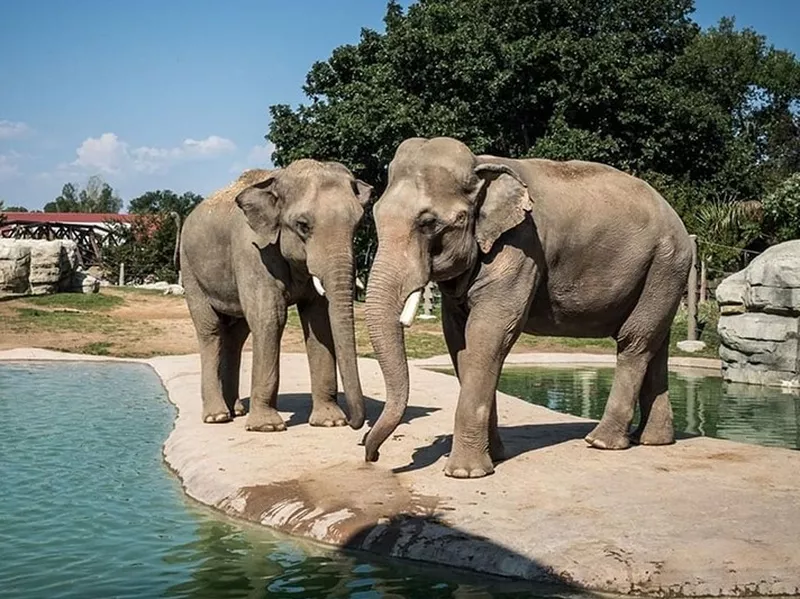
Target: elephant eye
302	227
428	224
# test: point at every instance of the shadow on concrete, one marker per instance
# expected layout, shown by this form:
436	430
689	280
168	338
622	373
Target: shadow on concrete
299	404
517	440
464	565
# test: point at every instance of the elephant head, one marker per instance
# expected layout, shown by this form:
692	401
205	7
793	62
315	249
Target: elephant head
441	210
311	209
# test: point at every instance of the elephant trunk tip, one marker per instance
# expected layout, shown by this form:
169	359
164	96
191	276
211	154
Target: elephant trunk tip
371	447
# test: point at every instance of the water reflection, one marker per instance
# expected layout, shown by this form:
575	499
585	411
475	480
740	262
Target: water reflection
703	405
229	559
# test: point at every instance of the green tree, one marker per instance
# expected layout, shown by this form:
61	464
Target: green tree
148	245
2	216
632	83
782	211
164	201
97	197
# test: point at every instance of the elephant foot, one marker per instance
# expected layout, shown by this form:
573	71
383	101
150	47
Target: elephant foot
265	421
239	409
327	414
217	417
658	428
605	436
654	434
464	464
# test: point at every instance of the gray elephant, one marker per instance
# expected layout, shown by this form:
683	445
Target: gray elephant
572	248
269	240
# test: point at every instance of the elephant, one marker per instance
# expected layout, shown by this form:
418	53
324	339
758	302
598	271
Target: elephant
269	240
555	248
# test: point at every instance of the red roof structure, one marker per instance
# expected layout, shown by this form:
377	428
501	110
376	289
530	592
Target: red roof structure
73	218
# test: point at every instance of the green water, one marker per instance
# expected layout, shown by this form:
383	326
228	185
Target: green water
88	509
702	405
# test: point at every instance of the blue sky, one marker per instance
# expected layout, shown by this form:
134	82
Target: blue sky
153	94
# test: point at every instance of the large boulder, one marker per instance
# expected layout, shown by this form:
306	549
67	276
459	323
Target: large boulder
759	323
39	267
53	264
15	267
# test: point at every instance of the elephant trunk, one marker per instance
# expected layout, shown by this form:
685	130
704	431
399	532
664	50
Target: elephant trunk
391	304
338	287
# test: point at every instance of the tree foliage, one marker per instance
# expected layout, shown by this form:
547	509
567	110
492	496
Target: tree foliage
164	201
782	210
631	83
97	197
148	246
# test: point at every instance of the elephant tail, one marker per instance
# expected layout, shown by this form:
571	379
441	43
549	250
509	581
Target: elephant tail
176	254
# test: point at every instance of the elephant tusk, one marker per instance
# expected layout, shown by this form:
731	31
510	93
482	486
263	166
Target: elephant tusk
360	284
318	285
410	309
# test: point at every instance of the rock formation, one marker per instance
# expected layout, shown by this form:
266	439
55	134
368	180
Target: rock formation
38	267
759	319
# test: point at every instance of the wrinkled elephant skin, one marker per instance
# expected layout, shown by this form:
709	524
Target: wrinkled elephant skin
574	249
270	240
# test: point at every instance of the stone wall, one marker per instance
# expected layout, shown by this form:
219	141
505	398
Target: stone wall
38	267
759	323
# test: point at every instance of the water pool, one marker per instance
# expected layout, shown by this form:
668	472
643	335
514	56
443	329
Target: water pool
89	510
703	405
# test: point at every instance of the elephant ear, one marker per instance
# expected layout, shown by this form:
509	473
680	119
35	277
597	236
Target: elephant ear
505	202
262	209
363	191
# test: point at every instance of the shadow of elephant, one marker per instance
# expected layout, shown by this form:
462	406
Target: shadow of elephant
299	405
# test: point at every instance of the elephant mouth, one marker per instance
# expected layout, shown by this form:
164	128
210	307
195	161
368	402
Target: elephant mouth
410	308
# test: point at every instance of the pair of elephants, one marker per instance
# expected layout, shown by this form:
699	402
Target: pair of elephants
555	248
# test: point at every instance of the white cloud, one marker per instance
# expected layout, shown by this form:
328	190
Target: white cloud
109	154
257	157
8	166
211	145
9	129
105	153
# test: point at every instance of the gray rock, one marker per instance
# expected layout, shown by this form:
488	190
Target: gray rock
691	346
52	265
83	282
759	326
732	290
15	267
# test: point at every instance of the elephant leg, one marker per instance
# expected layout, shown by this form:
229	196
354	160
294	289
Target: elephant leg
209	328
642	348
234	336
489	335
321	363
267	328
656	421
454	323
612	430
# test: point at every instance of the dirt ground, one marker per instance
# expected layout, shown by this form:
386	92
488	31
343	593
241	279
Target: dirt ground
137	323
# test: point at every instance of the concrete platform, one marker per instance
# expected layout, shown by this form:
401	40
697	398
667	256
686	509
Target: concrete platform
702	517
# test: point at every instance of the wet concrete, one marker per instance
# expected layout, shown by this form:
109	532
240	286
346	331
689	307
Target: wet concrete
701	517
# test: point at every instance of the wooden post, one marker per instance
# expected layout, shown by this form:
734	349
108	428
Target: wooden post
703	282
691	324
121	273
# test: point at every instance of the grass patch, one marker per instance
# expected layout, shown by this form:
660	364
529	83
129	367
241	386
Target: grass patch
33	319
77	301
98	348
